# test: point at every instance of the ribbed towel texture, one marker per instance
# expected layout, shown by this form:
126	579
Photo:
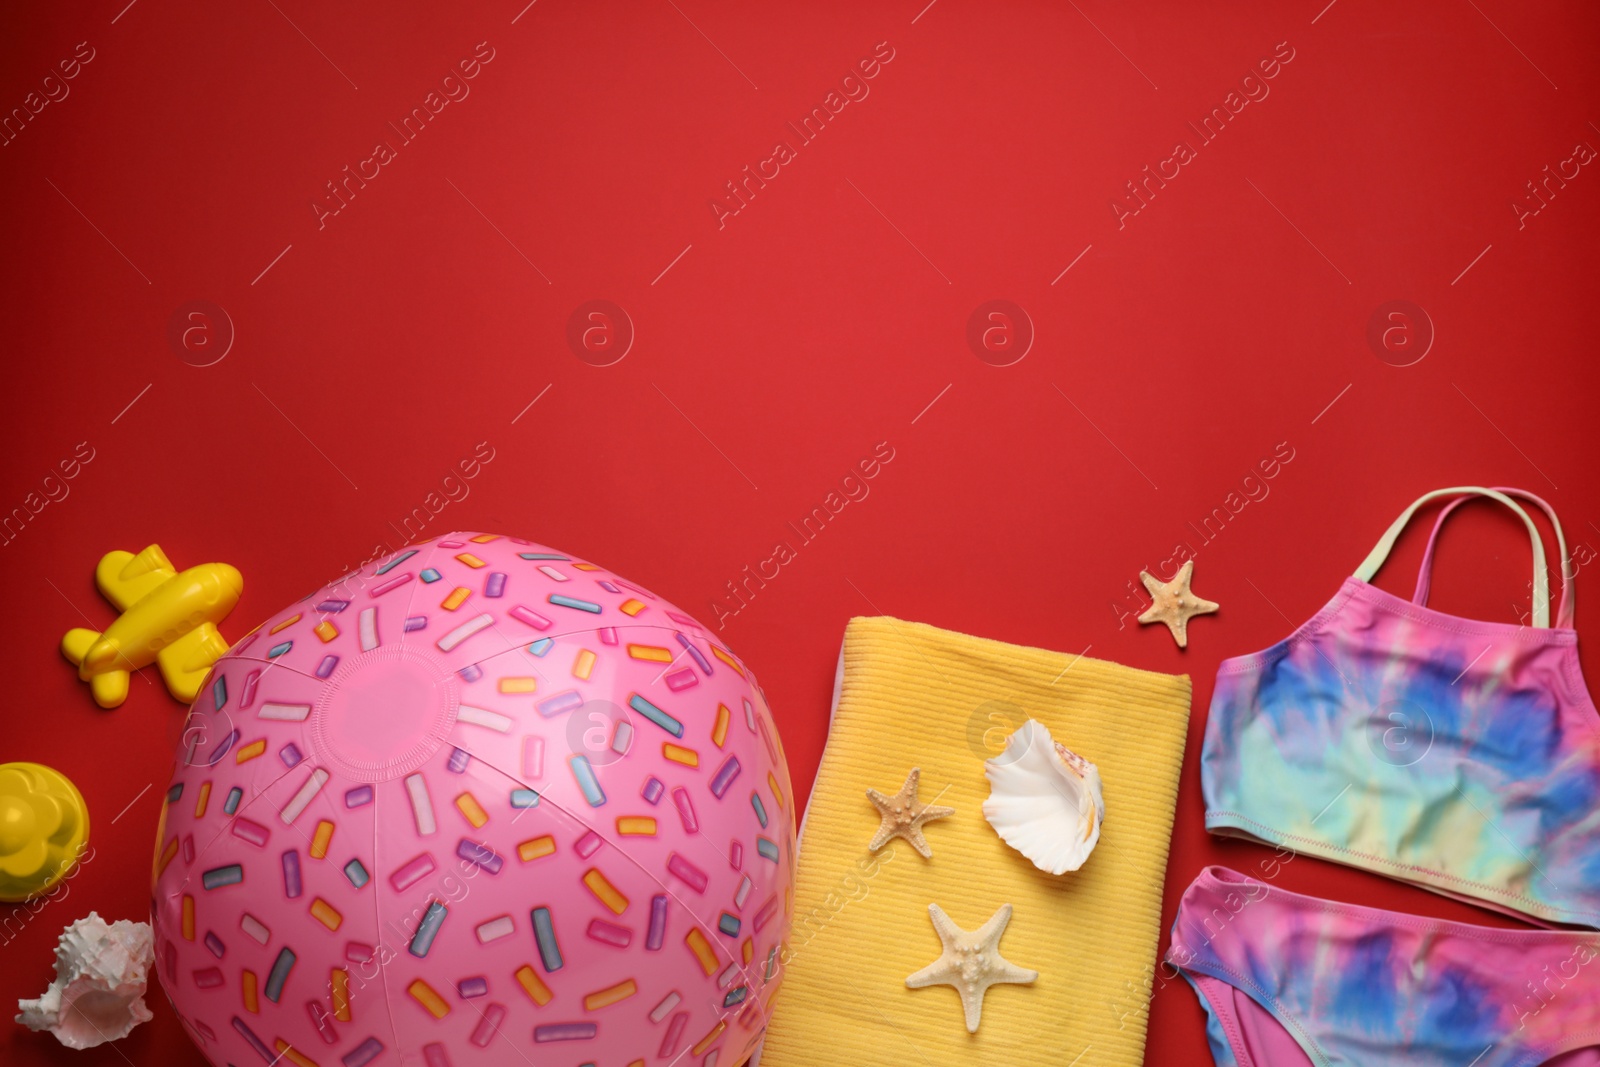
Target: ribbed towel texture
916	696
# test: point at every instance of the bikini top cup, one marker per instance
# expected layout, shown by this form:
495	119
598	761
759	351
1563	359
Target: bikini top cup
1458	755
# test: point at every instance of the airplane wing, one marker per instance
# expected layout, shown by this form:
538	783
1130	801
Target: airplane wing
125	578
186	662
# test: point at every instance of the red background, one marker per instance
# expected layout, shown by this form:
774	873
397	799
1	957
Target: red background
373	354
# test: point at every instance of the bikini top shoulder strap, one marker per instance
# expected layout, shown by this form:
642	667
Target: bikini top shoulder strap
1541	580
1564	613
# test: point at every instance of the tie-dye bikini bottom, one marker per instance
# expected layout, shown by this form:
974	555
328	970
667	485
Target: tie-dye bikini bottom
1293	981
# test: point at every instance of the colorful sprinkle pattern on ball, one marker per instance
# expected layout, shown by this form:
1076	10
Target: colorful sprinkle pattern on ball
482	799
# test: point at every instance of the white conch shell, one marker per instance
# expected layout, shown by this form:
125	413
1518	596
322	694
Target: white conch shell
98	992
1044	800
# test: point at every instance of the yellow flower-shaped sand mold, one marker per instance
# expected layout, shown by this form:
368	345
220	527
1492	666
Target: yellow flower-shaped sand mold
44	825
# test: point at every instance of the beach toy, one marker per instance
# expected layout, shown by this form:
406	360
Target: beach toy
44	827
168	618
480	803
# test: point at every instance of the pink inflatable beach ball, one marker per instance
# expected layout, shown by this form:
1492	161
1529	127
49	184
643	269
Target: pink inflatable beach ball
480	803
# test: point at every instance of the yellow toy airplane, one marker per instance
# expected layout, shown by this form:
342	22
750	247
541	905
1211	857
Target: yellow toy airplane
167	618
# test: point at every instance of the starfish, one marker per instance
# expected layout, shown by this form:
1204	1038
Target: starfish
903	815
971	962
1174	602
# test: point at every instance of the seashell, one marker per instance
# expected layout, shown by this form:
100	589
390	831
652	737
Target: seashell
98	992
1044	800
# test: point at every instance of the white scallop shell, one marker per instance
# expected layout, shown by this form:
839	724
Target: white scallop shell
98	992
1044	800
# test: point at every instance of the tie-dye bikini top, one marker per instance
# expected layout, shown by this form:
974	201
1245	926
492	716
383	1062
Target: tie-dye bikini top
1458	755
